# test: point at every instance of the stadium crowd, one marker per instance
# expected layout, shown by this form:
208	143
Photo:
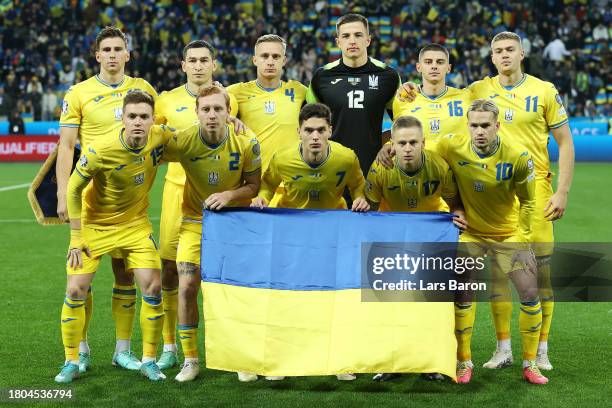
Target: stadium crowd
46	45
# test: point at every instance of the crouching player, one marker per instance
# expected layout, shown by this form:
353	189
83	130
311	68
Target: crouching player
114	218
491	174
419	181
315	172
223	170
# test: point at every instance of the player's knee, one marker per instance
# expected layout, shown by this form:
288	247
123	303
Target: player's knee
169	274
74	290
188	289
151	289
528	294
122	276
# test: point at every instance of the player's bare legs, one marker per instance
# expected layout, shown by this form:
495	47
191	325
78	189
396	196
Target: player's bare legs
170	283
188	318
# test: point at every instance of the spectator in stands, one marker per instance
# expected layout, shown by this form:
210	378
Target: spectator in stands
16	125
6	104
49	105
556	51
34	94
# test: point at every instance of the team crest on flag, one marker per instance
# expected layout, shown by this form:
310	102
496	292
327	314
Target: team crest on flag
479	186
118	113
434	125
373	81
139	179
213	178
354	81
508	115
269	107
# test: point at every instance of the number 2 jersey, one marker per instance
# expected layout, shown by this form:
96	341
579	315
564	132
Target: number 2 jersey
357	98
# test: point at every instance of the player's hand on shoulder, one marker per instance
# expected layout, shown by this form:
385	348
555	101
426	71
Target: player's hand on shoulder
360	205
459	220
407	92
385	156
259	202
239	125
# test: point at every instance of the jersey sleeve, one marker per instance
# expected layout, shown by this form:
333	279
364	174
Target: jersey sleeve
449	186
87	166
233	91
270	181
524	184
374	183
355	180
311	94
71	109
443	145
171	149
554	111
160	110
147	87
252	159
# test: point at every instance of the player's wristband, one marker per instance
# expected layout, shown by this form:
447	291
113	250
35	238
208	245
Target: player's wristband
76	239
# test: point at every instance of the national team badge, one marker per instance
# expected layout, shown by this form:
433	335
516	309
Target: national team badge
83	161
354	81
434	125
508	115
139	179
412	202
373	81
479	186
213	178
269	107
118	113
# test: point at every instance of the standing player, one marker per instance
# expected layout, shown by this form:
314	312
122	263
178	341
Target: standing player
491	174
532	109
419	181
438	107
176	108
315	171
112	216
268	106
357	89
222	169
91	111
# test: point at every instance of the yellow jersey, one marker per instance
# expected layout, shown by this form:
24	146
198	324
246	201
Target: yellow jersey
176	108
527	113
121	179
272	115
489	186
440	115
421	191
309	186
212	168
96	107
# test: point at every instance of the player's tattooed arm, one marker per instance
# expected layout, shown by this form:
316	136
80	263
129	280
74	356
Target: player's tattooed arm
187	268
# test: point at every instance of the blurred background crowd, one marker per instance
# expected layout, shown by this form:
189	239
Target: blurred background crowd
47	45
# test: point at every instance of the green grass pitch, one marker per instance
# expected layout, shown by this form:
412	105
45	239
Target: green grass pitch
33	256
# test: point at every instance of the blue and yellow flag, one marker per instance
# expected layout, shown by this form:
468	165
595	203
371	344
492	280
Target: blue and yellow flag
282	295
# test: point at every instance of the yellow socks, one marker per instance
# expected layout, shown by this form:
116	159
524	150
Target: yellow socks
124	309
170	302
464	323
151	323
530	322
72	322
188	333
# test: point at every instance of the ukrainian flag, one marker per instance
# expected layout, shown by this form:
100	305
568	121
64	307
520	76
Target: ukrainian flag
282	295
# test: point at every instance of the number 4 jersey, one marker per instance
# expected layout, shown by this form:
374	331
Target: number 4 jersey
357	98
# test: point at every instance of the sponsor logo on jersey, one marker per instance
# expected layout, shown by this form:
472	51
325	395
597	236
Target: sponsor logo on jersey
313	195
463	163
335	81
508	115
434	125
296	177
139	179
354	81
415	109
182	108
373	81
120	167
493	96
64	107
98	98
213	178
269	107
118	113
479	186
